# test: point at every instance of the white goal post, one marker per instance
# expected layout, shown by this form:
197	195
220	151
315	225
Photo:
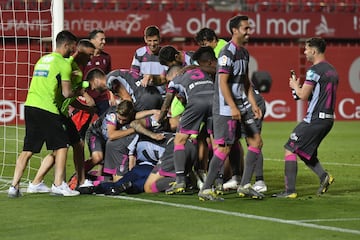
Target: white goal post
28	30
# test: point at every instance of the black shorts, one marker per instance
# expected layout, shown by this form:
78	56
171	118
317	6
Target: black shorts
306	137
73	134
43	126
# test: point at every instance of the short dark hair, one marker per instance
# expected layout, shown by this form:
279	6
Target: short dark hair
235	22
167	54
205	34
204	54
318	43
173	69
93	33
152	31
86	43
94	73
65	37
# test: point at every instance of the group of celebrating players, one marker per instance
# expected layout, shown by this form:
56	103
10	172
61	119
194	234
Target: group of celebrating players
170	123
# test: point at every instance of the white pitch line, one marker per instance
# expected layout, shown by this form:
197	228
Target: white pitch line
330	220
243	215
325	163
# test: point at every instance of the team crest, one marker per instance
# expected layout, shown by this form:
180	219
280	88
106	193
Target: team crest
112	118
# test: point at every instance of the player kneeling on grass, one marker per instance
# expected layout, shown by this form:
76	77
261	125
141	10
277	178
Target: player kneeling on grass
148	152
163	175
113	132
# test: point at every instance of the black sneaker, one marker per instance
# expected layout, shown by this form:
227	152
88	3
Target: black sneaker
114	191
85	190
99	189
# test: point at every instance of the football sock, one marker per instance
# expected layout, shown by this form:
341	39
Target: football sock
211	150
216	163
179	162
162	184
259	167
259	178
235	159
318	170
290	172
250	161
220	178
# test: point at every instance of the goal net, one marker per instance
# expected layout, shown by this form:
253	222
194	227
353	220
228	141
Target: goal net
26	34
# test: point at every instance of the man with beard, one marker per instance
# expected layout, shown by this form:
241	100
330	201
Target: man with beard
43	122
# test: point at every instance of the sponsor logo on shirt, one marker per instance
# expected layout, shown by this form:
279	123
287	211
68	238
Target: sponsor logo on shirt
222	60
41	73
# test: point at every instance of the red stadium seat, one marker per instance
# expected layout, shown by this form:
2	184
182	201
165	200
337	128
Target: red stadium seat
282	5
148	5
32	5
263	6
180	6
121	5
277	5
87	5
329	5
17	5
293	5
67	5
251	5
271	6
157	5
345	6
76	5
111	5
135	5
339	6
168	5
3	4
207	7
357	6
193	6
319	6
307	6
99	5
46	4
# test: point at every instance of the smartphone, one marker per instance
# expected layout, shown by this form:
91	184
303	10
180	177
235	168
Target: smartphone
292	74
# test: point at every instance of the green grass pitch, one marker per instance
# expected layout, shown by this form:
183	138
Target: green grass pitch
335	215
